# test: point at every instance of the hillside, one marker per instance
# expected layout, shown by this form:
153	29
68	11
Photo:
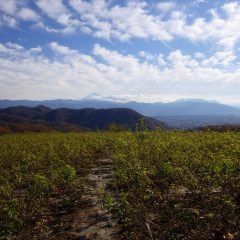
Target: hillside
179	107
65	119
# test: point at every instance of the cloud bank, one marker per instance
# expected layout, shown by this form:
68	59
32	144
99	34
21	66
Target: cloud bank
29	73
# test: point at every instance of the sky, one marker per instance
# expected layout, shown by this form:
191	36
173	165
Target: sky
120	49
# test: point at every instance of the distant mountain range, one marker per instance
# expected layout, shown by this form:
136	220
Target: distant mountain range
71	119
179	107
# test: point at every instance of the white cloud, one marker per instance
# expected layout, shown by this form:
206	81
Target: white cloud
16	51
8	21
179	60
59	49
12	11
111	22
231	8
161	60
223	31
153	58
37	49
199	55
129	68
56	10
200	1
147	56
14	46
53	8
166	6
65	30
130	20
28	14
220	58
8	6
28	73
3	49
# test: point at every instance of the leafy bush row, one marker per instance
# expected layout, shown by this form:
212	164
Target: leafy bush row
177	185
36	168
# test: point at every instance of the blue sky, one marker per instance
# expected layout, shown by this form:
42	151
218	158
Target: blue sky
126	50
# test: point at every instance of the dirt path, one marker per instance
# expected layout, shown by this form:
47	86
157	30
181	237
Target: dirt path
92	222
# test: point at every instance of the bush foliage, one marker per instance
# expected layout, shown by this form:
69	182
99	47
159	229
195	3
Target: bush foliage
171	185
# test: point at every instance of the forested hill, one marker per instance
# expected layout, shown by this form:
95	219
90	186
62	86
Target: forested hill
73	119
175	108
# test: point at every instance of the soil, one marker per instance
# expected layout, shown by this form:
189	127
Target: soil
92	222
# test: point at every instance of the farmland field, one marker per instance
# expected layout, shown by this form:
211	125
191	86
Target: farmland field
166	184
